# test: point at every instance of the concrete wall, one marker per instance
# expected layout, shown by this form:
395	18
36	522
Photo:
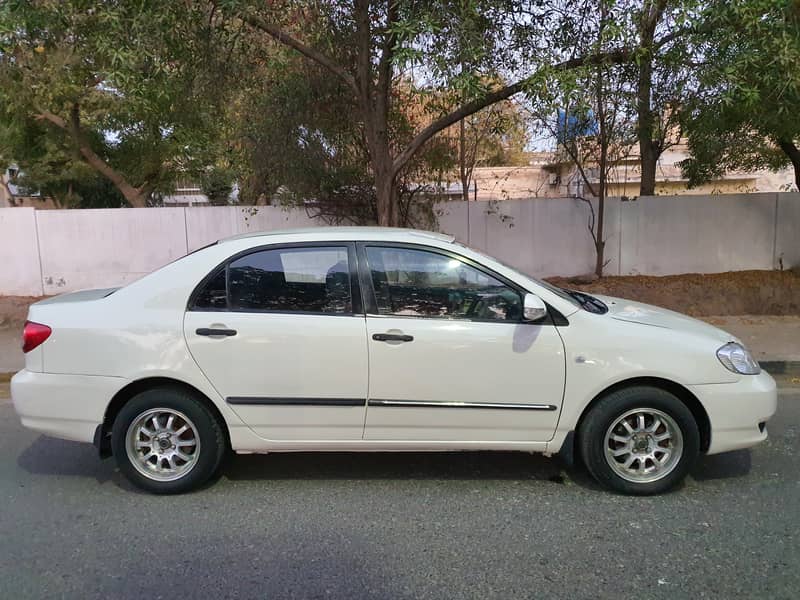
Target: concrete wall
20	272
106	247
687	234
787	231
49	252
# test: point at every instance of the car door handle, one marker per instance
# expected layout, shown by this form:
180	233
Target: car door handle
212	332
392	337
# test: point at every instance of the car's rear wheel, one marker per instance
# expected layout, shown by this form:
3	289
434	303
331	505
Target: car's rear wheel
639	440
166	441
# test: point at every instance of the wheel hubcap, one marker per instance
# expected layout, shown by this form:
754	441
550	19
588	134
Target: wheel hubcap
162	444
643	445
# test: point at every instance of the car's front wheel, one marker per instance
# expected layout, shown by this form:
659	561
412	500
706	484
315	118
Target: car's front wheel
639	440
166	441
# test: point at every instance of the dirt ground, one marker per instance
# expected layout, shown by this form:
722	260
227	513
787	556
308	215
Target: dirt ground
13	310
719	294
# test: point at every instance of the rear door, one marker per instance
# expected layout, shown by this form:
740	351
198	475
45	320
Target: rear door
280	333
450	357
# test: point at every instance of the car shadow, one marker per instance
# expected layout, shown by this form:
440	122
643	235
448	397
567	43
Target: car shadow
452	466
49	456
728	465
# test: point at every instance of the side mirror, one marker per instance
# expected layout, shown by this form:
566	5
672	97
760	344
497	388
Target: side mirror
533	308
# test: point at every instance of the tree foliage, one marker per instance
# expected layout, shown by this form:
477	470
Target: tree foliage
357	109
373	47
122	90
747	117
304	148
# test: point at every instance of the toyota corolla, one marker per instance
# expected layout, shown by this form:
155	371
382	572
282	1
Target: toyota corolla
370	339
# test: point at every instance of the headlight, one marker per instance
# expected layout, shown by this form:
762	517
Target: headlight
738	359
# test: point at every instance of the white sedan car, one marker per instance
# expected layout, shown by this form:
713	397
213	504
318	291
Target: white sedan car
370	339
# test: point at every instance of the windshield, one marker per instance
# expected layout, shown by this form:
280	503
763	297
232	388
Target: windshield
579	299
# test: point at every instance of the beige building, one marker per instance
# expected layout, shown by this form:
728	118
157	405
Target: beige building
11	195
185	194
547	177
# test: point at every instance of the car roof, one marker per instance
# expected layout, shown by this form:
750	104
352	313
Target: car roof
395	234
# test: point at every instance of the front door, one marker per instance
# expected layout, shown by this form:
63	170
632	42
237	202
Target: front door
279	335
450	357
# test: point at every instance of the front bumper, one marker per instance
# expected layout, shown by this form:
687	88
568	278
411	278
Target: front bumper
738	411
63	406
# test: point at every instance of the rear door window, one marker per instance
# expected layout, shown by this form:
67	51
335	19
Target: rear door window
308	280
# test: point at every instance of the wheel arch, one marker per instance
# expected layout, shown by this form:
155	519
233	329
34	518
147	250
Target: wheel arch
679	391
103	435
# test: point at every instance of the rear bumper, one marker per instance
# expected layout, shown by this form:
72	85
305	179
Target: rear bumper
738	411
64	406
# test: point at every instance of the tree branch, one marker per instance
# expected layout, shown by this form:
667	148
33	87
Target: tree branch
387	56
793	152
73	128
590	224
617	56
284	38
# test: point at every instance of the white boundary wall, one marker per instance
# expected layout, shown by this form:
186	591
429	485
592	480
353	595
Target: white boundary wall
54	251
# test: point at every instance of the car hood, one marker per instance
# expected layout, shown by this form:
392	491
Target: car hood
646	314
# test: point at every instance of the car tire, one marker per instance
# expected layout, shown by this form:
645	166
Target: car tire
639	440
166	441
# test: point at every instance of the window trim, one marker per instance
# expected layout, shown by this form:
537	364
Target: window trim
370	300
356	305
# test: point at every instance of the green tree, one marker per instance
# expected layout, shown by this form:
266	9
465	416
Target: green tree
590	111
367	45
747	117
302	148
217	184
126	89
662	77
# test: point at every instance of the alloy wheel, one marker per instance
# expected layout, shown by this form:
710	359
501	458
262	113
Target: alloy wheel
643	445
162	444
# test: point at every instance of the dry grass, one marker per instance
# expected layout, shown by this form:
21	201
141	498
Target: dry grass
733	293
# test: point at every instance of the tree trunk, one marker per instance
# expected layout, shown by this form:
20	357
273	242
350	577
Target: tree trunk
599	242
462	160
792	151
387	196
649	148
649	153
599	265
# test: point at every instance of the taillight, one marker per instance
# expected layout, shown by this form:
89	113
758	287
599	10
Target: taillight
33	335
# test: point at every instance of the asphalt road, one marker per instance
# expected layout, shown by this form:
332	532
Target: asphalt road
476	525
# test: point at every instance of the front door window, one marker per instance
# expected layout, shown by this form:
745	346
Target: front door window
417	283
